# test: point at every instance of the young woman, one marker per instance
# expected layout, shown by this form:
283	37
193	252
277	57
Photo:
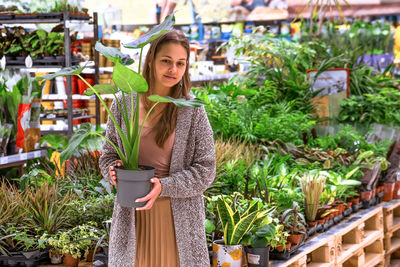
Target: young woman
169	230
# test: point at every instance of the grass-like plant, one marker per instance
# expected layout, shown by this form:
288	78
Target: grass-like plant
312	185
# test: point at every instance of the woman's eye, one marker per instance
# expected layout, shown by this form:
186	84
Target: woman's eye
181	64
164	60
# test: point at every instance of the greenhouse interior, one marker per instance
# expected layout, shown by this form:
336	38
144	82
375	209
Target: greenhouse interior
167	133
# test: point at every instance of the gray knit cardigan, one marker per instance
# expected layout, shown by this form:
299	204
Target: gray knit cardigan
192	170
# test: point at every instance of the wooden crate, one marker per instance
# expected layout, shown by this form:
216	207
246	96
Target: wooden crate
391	212
370	256
317	252
392	259
357	233
392	241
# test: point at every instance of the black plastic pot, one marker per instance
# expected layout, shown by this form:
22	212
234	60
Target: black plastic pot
11	148
19	259
312	230
132	185
347	212
257	257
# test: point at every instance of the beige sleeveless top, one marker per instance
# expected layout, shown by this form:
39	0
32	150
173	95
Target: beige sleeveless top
155	231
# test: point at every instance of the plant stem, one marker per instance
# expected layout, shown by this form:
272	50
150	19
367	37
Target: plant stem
121	133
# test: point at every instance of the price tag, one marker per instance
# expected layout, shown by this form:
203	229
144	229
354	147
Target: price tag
23	156
3	160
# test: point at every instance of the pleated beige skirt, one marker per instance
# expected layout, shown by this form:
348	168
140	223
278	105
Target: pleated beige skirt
155	236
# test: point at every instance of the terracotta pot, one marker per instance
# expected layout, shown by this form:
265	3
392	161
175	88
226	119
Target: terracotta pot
287	247
396	193
367	195
349	205
340	208
71	261
373	192
312	224
295	238
355	200
380	188
89	257
388	189
321	221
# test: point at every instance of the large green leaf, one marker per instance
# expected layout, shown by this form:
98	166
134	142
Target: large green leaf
102	89
242	227
153	34
128	80
226	217
113	54
180	102
74	70
75	141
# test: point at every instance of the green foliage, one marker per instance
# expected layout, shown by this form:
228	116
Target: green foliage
382	107
254	115
92	208
74	241
236	221
35	178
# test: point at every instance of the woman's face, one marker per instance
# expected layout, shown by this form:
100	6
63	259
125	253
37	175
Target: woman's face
170	65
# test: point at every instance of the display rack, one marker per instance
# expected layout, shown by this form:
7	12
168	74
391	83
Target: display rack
357	242
20	159
67	19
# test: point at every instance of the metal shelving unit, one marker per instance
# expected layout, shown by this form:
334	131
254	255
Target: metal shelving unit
67	20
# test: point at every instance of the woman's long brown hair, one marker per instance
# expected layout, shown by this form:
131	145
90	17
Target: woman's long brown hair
167	122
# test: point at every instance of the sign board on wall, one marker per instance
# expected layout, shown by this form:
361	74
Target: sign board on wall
334	85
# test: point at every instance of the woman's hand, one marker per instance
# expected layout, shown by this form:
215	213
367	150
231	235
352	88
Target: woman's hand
113	173
152	196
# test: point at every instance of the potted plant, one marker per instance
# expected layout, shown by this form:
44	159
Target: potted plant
258	242
280	242
133	180
294	223
312	184
236	222
73	243
56	246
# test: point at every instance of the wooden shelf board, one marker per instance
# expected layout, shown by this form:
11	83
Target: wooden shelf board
348	250
372	259
320	264
394	244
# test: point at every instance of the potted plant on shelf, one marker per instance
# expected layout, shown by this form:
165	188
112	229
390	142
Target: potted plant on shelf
280	242
294	223
236	221
133	180
312	184
258	242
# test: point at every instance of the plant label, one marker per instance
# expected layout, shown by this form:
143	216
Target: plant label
3	63
3	160
253	259
37	154
24	156
28	62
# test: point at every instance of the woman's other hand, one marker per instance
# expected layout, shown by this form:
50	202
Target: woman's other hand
113	172
152	196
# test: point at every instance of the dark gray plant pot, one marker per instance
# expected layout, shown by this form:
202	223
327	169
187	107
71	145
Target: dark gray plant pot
257	257
132	185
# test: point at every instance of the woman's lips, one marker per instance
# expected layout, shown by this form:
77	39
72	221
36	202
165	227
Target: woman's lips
169	77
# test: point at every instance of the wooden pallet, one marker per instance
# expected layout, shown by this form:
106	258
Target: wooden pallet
392	259
369	256
317	252
357	233
338	246
391	212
